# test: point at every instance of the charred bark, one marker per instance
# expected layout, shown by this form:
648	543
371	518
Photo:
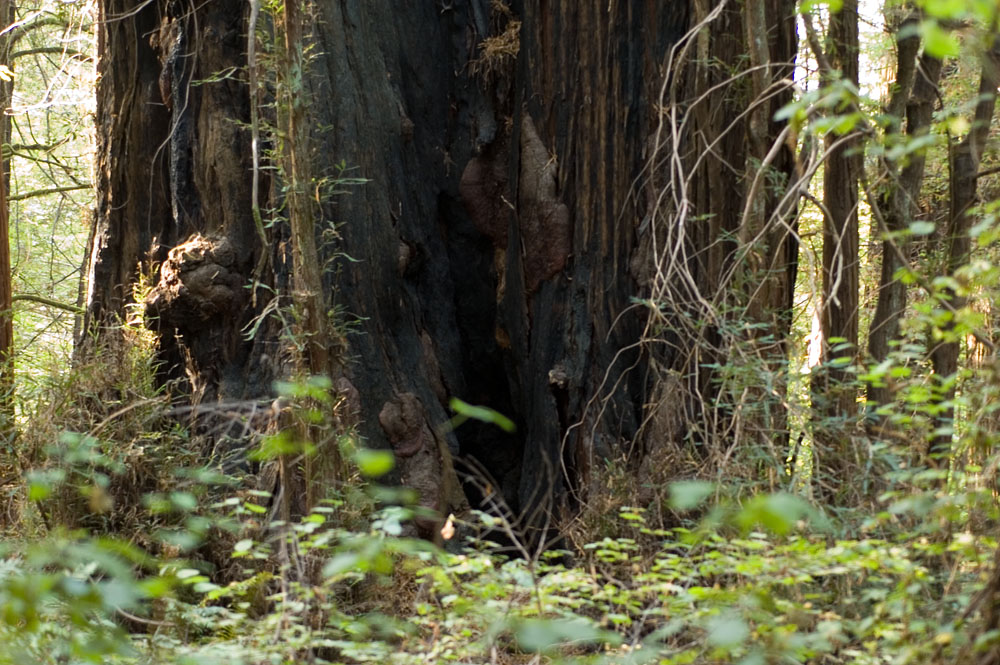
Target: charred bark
173	183
588	78
492	264
489	255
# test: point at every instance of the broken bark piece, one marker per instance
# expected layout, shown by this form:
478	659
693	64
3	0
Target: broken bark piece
424	461
434	376
404	255
350	404
404	424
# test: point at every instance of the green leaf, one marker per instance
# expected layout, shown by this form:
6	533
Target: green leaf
921	228
919	144
41	483
118	593
155	587
906	276
242	546
777	513
276	445
374	463
938	42
483	414
341	563
950	10
184	501
808	5
544	634
846	123
688	494
38	491
727	631
315	387
254	508
754	658
789	111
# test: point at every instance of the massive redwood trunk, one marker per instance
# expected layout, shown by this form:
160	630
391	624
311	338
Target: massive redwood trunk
491	245
487	257
584	111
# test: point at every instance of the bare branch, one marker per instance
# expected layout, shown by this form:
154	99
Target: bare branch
992	171
19	30
46	50
42	300
51	190
46	147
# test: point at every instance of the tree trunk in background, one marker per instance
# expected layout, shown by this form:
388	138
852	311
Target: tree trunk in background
767	227
493	252
311	306
982	650
834	392
717	248
966	157
914	95
7	17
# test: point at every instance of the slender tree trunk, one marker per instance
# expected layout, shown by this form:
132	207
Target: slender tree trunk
307	280
965	159
766	232
7	17
987	602
834	393
312	309
914	94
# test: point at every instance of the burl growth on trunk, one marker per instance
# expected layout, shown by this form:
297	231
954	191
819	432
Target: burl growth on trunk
424	462
198	283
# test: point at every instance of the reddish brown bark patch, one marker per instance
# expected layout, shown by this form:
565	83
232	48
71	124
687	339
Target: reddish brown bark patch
434	376
544	219
483	189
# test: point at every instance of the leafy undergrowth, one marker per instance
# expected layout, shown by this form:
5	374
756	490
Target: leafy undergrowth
763	582
132	546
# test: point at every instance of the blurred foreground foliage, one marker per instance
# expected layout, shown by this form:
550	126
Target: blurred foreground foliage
133	544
